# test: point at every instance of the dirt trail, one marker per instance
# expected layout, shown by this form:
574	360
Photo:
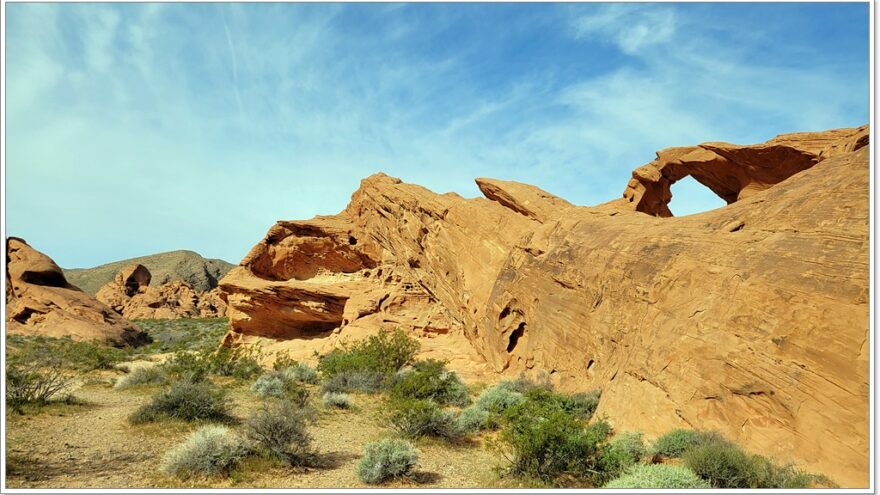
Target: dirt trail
93	446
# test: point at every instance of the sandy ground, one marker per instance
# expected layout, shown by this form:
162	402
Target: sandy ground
93	446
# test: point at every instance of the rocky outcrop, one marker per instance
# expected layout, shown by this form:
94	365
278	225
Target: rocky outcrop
131	295
40	301
188	266
751	319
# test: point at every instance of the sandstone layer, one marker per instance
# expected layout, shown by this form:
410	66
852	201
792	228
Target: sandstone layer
131	295
40	301
751	319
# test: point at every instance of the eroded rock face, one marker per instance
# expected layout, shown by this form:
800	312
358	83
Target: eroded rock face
751	319
131	295
39	301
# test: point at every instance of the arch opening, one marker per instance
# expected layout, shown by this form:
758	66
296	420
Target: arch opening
690	197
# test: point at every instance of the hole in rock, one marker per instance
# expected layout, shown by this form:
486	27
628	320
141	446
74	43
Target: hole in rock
352	240
690	197
590	364
515	336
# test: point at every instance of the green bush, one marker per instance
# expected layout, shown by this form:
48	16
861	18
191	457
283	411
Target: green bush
499	398
676	442
301	372
622	452
279	431
414	418
385	460
471	420
145	375
580	405
185	400
237	362
725	465
355	381
384	353
544	441
658	476
210	451
277	384
335	399
431	380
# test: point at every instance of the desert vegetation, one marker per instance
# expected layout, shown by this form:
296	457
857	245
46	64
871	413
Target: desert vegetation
217	417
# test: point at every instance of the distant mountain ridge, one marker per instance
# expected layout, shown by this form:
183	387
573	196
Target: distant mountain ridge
189	266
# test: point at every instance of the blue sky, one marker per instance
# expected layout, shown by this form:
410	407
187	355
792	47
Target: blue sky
139	128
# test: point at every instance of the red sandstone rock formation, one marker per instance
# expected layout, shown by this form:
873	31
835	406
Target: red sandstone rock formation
39	301
131	295
751	319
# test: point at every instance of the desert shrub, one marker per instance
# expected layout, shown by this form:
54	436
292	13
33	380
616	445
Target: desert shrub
499	398
186	400
237	362
385	460
676	442
210	451
283	361
279	431
431	380
622	452
581	405
725	465
301	372
658	476
31	379
541	440
276	384
145	375
355	381
416	418
471	420
384	353
335	399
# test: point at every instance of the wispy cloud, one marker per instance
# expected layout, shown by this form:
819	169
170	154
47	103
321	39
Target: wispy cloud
166	126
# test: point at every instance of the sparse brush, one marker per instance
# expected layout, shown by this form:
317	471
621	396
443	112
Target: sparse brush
279	431
471	420
301	372
625	450
34	380
385	460
416	418
277	384
145	375
499	398
335	399
658	476
354	381
185	400
209	451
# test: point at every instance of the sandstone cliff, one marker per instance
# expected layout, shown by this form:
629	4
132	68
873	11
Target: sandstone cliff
131	295
40	301
751	319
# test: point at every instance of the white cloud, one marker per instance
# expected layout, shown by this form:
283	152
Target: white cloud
631	27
